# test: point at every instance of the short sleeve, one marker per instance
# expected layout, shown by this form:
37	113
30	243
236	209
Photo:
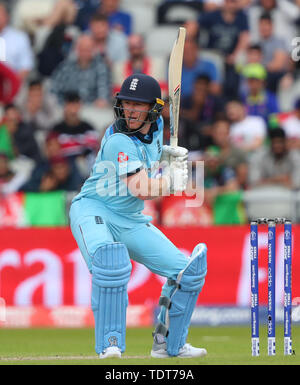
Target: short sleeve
243	21
123	153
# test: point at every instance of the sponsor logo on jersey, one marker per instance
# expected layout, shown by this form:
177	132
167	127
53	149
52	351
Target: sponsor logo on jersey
122	157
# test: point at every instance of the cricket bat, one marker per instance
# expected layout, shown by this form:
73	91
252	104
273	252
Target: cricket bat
175	69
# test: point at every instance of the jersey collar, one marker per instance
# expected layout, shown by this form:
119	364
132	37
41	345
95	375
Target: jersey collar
147	138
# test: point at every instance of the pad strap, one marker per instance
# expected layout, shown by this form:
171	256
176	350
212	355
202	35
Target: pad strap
161	329
173	282
165	301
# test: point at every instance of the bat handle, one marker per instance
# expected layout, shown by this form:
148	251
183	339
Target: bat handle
174	141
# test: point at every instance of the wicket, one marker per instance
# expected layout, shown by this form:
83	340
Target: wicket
271	321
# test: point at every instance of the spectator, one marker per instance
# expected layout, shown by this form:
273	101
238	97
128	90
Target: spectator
77	138
6	174
38	107
118	19
139	62
257	99
64	12
274	51
59	174
291	126
218	179
230	155
6	142
193	66
227	30
198	111
52	147
18	52
213	5
246	132
9	84
276	165
10	181
86	73
10	4
85	11
34	15
110	44
54	171
54	48
17	136
253	56
284	14
75	12
51	150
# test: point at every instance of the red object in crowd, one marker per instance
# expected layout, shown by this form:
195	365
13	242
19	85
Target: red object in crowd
10	84
185	211
146	69
77	144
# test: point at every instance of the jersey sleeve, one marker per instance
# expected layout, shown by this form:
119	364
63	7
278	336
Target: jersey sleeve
123	153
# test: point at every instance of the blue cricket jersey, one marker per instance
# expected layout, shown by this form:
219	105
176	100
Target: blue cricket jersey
123	155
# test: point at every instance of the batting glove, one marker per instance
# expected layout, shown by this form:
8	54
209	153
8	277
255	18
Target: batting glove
176	174
170	154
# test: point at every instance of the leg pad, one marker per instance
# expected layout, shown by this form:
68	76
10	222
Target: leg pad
176	313
111	272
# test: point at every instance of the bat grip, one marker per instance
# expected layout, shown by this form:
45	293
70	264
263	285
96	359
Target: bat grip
174	141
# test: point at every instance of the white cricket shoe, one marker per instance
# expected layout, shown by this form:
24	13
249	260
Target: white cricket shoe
112	351
187	351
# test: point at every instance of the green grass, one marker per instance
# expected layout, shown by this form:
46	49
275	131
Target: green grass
225	346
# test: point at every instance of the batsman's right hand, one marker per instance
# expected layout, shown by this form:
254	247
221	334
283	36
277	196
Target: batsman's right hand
171	153
177	175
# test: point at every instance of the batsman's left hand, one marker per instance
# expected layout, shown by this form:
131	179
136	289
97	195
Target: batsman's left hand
177	154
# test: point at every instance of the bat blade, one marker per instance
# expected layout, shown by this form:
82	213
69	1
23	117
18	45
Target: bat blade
175	70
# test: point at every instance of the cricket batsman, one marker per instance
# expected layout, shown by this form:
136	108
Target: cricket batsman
109	227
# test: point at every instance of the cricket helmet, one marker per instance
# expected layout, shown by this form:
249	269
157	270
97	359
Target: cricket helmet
139	88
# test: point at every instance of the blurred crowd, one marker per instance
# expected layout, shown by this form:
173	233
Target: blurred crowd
240	101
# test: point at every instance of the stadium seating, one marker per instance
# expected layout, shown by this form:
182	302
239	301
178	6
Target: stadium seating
160	40
144	17
269	202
